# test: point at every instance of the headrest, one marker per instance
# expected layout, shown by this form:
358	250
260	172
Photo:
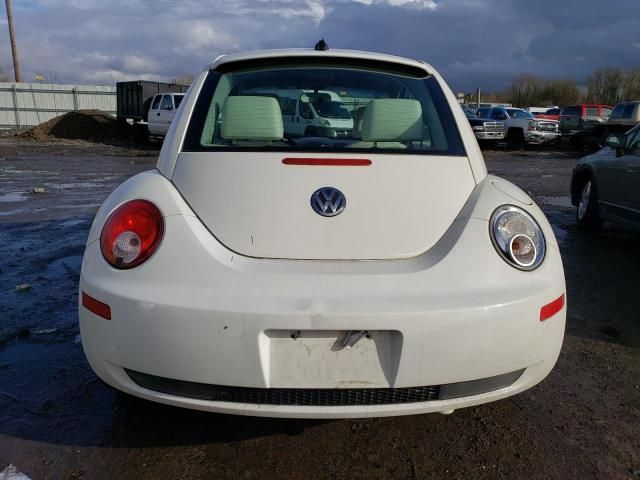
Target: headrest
251	118
358	115
392	120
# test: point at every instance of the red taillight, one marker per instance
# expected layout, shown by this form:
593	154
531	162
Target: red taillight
328	162
131	234
550	309
96	306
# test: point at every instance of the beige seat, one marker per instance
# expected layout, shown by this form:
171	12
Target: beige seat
389	123
251	120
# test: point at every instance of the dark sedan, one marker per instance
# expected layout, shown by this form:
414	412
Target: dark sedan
606	185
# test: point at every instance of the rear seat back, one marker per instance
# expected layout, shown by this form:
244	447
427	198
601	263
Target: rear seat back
393	120
251	118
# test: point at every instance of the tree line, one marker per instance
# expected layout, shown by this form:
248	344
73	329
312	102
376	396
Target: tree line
605	86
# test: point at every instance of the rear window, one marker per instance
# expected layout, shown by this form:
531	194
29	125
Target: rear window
166	103
592	111
571	111
322	108
177	99
617	111
628	110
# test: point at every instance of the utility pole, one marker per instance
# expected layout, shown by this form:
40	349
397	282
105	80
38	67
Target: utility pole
12	36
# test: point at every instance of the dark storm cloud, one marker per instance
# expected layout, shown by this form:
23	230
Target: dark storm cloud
486	43
474	43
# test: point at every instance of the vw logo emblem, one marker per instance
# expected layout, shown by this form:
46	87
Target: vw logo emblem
328	201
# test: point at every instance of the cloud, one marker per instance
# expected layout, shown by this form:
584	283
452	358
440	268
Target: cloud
473	43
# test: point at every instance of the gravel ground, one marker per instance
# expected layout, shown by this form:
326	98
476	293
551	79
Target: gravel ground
57	421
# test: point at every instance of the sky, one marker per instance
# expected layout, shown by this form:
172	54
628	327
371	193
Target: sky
472	43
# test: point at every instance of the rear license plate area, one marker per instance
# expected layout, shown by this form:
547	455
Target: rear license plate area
332	358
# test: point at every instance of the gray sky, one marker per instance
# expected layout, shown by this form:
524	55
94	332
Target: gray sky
473	43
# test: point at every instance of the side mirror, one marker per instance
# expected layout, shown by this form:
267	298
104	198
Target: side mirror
614	141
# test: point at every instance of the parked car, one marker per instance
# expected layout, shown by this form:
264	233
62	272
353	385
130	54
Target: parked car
134	99
162	110
581	124
606	185
626	114
488	132
522	127
623	117
382	274
551	114
576	118
304	111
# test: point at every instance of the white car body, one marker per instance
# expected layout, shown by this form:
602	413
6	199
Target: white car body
162	110
253	304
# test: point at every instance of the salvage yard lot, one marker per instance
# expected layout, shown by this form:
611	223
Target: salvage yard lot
58	421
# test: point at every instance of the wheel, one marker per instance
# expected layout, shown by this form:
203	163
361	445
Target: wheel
515	139
587	214
577	142
140	133
488	144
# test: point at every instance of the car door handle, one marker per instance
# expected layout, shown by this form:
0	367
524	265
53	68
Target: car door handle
158	114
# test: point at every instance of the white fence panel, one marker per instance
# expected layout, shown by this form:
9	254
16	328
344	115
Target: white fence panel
29	104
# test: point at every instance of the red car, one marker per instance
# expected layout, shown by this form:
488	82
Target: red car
575	118
551	114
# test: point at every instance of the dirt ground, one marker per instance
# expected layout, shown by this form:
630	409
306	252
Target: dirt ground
58	421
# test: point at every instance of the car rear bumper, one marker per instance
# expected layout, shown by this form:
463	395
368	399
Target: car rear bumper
197	313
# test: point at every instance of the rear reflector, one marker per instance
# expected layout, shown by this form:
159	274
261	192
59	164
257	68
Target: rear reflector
95	306
328	162
550	309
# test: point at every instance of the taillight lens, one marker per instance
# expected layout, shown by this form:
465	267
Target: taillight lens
131	234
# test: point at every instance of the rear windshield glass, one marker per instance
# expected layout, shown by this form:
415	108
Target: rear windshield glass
628	110
617	111
571	111
322	108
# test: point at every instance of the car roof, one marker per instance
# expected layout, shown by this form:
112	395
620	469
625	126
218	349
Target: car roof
311	53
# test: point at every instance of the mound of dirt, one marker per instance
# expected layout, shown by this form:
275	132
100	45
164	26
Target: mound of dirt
90	125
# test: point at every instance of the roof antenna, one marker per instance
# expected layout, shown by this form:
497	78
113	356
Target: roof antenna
321	46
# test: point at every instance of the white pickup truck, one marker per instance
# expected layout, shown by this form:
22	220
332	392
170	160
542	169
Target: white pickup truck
161	112
522	127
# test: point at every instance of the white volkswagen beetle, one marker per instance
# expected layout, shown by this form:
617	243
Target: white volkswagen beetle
379	273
